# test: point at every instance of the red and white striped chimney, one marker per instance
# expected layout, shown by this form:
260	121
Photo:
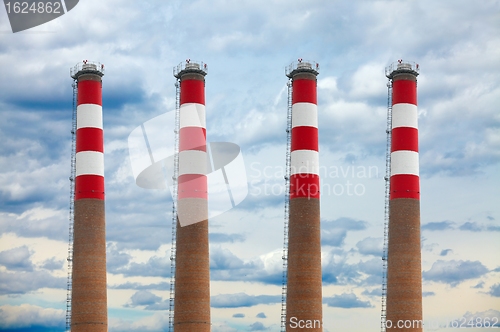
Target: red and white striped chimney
192	264
304	280
89	297
404	272
89	141
304	179
192	191
404	144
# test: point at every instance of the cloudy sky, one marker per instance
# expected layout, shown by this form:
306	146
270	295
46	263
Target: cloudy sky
246	45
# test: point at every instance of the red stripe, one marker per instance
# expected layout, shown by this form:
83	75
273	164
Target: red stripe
404	138
89	92
304	138
304	91
89	139
404	91
89	186
304	185
405	186
193	138
192	186
192	91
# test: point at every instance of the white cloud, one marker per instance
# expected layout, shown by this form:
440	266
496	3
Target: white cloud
368	82
37	222
156	322
24	282
454	272
17	259
27	315
346	300
370	246
222	327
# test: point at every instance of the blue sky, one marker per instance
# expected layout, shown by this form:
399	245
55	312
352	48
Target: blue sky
246	45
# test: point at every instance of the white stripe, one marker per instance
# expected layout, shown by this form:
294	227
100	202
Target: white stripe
404	162
304	161
89	115
192	210
89	163
192	115
404	115
305	114
192	162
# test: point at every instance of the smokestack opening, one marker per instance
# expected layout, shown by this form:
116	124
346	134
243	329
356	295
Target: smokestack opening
304	65
89	66
192	65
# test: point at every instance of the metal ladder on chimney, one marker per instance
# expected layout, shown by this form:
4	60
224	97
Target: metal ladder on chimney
174	206
71	207
287	206
387	177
